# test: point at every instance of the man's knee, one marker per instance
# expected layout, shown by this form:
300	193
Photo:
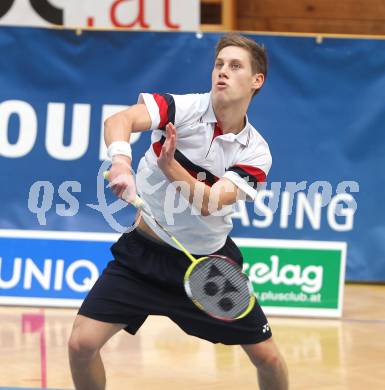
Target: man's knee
81	346
88	337
271	360
264	355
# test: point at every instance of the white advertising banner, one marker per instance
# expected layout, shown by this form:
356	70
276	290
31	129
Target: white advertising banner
159	15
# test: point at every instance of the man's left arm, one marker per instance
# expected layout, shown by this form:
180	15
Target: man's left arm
206	199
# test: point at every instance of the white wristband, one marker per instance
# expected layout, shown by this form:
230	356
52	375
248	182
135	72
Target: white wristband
119	147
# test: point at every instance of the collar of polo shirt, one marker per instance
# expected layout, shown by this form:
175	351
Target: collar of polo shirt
242	137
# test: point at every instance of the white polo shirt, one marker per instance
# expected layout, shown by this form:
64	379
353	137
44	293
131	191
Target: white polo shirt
208	155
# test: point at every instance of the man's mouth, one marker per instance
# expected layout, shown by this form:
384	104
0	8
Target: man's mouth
221	84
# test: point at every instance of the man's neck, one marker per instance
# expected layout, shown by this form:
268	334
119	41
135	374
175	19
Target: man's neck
231	119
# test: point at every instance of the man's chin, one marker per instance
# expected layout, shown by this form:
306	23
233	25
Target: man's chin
221	98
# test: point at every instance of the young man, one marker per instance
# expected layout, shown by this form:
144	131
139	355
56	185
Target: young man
204	156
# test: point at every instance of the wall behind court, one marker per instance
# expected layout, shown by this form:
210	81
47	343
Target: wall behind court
323	123
312	16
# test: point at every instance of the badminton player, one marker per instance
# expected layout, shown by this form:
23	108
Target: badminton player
204	156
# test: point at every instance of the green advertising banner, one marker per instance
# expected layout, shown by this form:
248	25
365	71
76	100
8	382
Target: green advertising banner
299	278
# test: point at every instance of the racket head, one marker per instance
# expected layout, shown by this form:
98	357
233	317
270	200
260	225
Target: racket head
217	286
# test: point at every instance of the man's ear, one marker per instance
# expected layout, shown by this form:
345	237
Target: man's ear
258	80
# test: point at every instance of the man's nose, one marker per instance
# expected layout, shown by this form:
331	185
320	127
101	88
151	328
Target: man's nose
223	71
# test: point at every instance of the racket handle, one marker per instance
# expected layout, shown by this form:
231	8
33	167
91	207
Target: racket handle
138	202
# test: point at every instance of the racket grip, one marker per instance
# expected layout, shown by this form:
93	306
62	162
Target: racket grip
138	202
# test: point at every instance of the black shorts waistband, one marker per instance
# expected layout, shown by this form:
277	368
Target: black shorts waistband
147	237
161	247
229	249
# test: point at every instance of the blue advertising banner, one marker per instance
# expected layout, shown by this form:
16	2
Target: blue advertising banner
321	111
50	268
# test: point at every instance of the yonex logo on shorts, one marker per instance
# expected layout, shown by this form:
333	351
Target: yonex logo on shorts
266	328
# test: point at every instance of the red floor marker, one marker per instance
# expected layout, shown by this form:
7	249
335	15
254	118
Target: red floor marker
34	323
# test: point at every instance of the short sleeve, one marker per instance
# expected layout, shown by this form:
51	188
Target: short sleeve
177	109
250	169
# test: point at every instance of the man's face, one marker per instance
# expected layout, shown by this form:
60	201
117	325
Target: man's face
232	77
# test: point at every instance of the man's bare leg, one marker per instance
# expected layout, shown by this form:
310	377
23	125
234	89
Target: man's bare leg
87	338
271	368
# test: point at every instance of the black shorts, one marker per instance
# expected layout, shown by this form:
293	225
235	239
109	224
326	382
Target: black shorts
146	278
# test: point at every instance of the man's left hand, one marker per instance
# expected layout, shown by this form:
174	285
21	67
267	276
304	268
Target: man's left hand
166	159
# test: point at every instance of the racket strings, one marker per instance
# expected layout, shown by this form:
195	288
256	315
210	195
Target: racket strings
219	287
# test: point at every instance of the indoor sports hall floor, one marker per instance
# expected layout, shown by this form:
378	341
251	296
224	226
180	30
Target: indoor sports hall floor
347	354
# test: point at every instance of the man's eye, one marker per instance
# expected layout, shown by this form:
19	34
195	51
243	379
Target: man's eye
218	64
236	66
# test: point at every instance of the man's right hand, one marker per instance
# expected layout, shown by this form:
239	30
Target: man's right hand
121	178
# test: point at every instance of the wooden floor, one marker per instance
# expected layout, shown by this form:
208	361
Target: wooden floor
347	354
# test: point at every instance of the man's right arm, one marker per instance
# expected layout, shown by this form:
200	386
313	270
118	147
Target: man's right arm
118	128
